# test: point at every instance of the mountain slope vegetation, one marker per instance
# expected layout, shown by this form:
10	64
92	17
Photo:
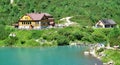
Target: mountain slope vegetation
91	10
84	12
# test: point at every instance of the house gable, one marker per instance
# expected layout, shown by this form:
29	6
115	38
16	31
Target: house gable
101	23
26	17
44	18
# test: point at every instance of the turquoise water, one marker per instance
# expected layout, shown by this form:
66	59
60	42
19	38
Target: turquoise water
64	55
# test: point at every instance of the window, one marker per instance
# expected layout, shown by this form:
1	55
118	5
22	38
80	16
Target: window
29	22
112	26
107	26
37	22
23	22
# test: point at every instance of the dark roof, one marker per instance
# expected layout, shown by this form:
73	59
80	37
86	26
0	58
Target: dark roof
108	21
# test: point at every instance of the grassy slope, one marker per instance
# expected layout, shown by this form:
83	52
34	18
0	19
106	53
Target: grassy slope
83	21
112	55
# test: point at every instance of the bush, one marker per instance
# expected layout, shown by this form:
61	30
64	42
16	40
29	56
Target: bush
114	37
71	37
31	43
3	33
36	34
62	40
11	41
87	39
98	38
99	35
78	35
100	50
62	31
22	42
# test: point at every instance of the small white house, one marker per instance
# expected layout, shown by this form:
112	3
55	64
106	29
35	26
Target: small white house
105	23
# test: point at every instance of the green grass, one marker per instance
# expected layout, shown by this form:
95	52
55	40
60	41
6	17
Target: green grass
83	21
51	37
112	55
2	43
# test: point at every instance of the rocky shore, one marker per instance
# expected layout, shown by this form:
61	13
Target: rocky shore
94	51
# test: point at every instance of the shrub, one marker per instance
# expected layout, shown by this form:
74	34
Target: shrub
32	43
22	42
100	50
98	38
36	34
3	33
11	41
62	40
71	37
78	35
114	37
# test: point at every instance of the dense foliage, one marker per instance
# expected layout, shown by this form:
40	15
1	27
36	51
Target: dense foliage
62	36
84	10
112	55
114	37
4	31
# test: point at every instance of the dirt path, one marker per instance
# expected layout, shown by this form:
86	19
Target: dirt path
68	21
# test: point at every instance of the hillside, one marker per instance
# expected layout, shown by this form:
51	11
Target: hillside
90	10
84	12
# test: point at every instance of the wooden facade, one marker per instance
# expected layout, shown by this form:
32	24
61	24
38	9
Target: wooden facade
33	21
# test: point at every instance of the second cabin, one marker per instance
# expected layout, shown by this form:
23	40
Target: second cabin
105	23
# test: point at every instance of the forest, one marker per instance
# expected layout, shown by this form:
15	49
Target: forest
90	10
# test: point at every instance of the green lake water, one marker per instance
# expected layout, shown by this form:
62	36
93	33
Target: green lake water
63	55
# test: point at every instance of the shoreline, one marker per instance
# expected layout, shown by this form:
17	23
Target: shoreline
102	55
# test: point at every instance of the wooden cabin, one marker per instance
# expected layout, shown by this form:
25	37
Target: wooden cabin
35	21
